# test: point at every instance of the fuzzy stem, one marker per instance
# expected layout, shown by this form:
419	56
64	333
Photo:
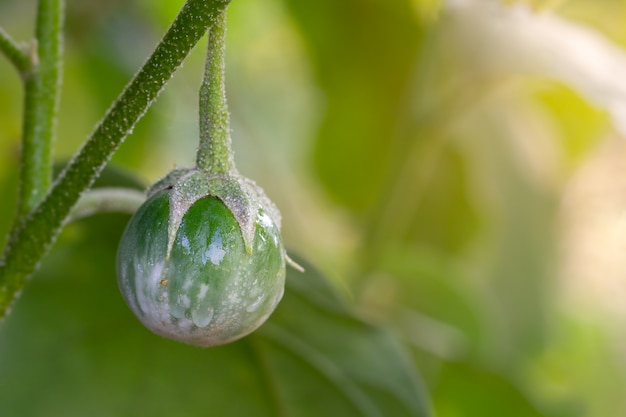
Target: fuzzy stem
14	53
215	154
107	200
41	102
31	238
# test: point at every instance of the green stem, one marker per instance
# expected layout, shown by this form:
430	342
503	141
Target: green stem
31	238
215	153
41	103
107	200
15	53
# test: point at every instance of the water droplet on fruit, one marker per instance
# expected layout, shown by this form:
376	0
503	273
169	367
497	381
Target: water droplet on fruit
202	318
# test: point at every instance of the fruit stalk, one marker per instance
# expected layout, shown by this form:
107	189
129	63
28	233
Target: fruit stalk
215	154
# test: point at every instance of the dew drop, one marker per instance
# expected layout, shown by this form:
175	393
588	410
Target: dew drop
202	318
184	301
177	310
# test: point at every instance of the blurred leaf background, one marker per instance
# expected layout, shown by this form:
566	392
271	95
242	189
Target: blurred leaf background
461	182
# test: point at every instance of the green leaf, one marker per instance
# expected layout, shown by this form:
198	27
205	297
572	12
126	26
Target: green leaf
315	339
466	390
71	344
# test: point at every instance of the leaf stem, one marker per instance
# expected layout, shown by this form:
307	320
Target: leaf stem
107	200
41	103
14	53
30	239
215	154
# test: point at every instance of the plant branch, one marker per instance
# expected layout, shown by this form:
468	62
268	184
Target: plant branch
107	200
31	239
215	153
41	103
14	53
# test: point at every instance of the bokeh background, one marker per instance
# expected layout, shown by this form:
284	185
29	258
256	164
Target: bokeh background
456	168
